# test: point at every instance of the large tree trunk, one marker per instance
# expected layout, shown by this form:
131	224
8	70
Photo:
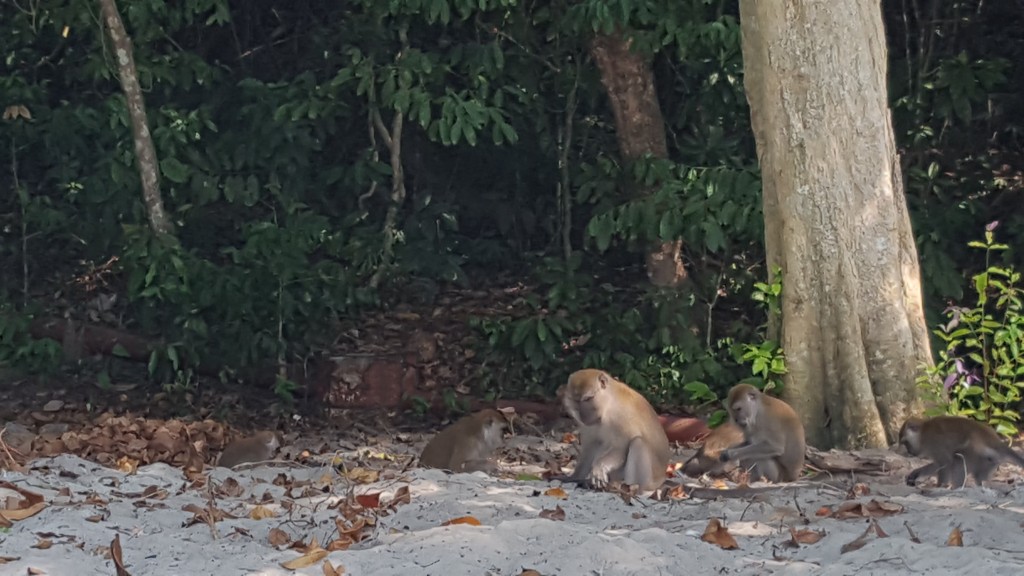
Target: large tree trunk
145	152
836	219
628	78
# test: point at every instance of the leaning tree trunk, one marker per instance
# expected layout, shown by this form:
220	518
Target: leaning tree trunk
628	78
145	152
836	219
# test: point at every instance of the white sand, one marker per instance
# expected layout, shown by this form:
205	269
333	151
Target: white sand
601	534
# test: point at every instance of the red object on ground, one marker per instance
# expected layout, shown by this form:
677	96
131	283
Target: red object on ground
682	430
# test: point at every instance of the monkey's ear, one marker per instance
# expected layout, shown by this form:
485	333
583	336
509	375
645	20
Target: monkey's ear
602	379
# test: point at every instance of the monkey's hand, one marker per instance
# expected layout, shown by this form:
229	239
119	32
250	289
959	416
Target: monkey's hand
912	478
598	478
723	456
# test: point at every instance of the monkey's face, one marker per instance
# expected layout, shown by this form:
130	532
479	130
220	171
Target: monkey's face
744	406
584	396
910	436
270	440
493	429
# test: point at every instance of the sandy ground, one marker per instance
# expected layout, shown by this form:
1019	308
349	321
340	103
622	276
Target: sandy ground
86	506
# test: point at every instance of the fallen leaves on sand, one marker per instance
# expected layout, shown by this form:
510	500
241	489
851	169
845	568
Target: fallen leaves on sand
369	500
716	533
861	540
115	555
20	505
278	537
332	570
529	572
803	536
462	520
261	513
557	514
362	475
556	492
870	509
312	554
209	515
956	537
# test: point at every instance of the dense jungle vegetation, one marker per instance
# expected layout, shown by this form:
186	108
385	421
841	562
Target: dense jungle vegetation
321	162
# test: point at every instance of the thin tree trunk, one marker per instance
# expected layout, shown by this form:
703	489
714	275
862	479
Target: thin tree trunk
145	152
836	219
640	128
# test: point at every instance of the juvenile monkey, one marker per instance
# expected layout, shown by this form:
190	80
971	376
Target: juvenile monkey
705	461
956	446
773	436
622	439
256	448
468	444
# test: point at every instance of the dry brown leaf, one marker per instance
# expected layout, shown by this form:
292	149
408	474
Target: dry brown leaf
363	475
861	540
557	514
857	490
127	465
332	570
568	438
402	496
116	556
871	509
956	537
8	559
15	509
369	500
306	560
342	543
556	492
32	571
278	537
43	544
462	520
805	536
529	572
261	513
716	533
824	511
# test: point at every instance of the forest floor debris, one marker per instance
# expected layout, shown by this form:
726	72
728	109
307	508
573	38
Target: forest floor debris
362	509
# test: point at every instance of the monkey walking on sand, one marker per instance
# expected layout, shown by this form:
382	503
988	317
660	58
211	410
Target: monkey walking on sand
467	445
256	448
956	446
621	438
773	437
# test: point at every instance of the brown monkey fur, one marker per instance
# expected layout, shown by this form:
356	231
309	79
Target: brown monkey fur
256	448
705	461
956	446
467	445
773	437
621	438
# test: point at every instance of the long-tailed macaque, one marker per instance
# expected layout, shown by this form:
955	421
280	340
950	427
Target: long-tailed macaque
622	439
705	461
467	445
773	437
256	448
956	446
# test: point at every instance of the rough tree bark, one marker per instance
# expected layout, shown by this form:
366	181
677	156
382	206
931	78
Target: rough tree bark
836	218
628	78
145	152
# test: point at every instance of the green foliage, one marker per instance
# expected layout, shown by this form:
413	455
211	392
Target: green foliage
981	367
19	349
